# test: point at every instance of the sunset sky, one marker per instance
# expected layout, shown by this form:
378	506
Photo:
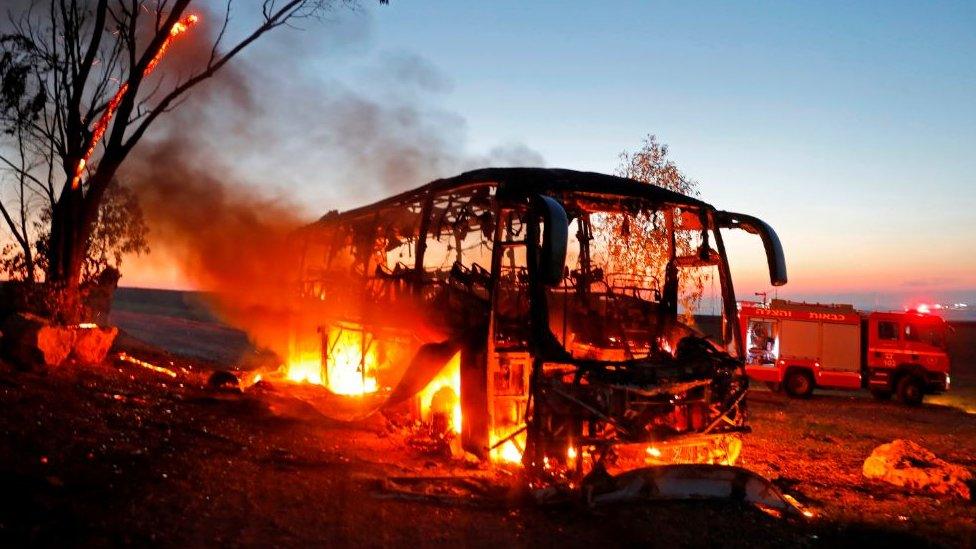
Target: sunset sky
849	128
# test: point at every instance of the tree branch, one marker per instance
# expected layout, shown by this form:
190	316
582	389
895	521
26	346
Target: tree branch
272	20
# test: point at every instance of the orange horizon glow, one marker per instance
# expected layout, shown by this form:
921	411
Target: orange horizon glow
162	269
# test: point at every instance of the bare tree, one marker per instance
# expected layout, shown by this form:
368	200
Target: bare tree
78	96
19	109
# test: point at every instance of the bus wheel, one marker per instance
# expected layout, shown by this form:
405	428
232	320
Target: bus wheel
774	387
798	383
910	390
881	394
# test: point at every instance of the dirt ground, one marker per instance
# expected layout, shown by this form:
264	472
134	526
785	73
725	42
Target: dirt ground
119	454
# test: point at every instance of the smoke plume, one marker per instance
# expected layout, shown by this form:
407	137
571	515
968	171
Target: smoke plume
269	146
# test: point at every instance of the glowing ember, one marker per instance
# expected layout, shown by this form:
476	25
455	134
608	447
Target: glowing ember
571	455
147	365
443	395
653	452
177	29
802	509
88	325
508	452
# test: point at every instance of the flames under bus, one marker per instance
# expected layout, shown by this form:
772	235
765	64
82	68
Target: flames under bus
540	314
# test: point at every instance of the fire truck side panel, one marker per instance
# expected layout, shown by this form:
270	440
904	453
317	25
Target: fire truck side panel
799	340
822	340
840	358
840	348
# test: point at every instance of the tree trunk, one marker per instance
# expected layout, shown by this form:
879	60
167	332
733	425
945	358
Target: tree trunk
72	222
64	257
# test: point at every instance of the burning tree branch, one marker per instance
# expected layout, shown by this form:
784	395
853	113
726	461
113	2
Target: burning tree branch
83	103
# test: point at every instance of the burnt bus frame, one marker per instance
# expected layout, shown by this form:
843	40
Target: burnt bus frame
516	187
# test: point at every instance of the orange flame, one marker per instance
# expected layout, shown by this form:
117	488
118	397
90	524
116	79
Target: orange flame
147	365
443	394
508	452
350	365
305	368
98	131
350	369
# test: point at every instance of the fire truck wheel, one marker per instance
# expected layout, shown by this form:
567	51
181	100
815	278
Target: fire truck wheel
798	383
911	390
881	394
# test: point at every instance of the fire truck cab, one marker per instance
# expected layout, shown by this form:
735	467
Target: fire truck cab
798	347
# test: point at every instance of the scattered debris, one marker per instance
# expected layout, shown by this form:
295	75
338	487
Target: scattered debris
907	464
222	380
458	490
263	385
123	398
690	481
31	340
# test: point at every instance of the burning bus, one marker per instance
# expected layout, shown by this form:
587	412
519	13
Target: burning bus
498	306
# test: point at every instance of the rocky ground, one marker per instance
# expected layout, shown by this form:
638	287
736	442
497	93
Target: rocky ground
120	454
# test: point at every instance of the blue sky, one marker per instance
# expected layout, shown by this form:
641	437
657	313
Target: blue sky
839	123
850	127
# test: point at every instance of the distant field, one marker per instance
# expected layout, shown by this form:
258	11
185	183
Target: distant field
962	349
171	303
182	323
962	343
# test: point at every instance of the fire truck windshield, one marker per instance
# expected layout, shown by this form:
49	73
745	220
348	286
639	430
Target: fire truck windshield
928	330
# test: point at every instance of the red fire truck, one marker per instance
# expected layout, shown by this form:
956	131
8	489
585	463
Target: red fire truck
798	347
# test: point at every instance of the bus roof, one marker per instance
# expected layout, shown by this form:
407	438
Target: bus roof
534	180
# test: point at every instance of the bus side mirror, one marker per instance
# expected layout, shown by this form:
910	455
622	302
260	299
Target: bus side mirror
555	238
775	258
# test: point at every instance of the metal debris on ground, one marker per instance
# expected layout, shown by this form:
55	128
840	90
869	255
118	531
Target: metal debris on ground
449	490
691	482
